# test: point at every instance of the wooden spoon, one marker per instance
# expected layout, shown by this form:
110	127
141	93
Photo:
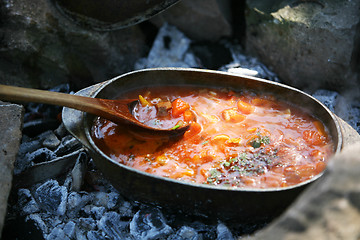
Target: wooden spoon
117	111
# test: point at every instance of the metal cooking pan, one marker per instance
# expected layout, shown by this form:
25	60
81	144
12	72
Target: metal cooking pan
242	204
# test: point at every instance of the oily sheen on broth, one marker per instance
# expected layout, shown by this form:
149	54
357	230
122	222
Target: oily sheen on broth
236	139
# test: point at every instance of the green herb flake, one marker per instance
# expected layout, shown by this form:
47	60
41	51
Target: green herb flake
255	143
205	142
235	168
175	127
214	175
226	164
265	140
242	156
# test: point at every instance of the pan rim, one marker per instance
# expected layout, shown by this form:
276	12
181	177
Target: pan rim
337	148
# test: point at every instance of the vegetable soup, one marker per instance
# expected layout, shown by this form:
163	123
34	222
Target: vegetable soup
236	139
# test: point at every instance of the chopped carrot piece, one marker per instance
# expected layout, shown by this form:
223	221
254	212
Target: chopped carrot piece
188	116
313	137
244	107
231	93
231	115
220	139
274	180
263	102
316	153
195	128
248	181
234	141
211	118
320	127
143	101
252	130
179	107
162	159
320	166
196	159
305	171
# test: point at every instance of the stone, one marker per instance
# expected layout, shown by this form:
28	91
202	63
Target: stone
309	44
349	134
328	209
10	128
41	48
199	20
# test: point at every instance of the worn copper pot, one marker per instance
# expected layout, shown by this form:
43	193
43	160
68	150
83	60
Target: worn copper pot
244	205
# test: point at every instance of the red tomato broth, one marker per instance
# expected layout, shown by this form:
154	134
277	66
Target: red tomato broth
235	139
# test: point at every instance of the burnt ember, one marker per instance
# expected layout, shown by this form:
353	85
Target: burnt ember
58	192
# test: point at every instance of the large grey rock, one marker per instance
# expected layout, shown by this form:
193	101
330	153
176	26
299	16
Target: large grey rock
42	48
309	44
330	208
10	129
199	19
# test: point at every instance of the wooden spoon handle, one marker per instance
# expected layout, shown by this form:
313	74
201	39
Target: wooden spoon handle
11	93
114	110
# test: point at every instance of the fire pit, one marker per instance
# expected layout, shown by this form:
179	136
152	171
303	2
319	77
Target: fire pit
59	193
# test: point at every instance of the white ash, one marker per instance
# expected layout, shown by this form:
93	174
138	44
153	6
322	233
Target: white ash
102	215
170	49
243	64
